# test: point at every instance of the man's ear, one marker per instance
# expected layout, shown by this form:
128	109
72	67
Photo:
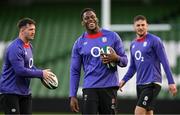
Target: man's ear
82	23
22	29
97	20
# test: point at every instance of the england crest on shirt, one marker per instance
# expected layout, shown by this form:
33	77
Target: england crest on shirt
104	39
145	44
85	43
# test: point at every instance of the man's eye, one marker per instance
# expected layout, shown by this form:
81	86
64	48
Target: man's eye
86	18
92	16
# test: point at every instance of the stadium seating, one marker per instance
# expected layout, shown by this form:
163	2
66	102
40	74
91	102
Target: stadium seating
57	30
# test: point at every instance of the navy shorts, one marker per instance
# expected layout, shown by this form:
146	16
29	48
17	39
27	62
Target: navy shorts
147	95
16	104
100	100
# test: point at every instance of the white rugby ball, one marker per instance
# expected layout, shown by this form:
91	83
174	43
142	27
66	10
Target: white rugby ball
50	83
106	50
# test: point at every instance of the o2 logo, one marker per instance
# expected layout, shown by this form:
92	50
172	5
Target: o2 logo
138	56
95	51
30	62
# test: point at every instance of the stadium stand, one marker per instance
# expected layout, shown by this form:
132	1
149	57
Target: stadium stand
58	26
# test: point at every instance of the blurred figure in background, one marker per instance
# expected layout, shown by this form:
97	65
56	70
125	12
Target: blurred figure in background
17	71
147	53
100	83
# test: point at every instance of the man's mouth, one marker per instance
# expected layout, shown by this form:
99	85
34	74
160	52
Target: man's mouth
140	31
91	25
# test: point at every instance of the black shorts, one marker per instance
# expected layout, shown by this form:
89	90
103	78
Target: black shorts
16	104
99	100
147	95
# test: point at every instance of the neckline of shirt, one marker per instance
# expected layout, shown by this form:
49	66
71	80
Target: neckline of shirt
141	39
94	36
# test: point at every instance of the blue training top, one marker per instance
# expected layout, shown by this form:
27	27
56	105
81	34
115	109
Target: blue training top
18	68
86	52
146	56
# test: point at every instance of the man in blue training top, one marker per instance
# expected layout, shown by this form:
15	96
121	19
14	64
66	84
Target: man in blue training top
100	83
147	53
17	71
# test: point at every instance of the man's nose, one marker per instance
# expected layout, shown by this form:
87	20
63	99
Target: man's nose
140	26
90	19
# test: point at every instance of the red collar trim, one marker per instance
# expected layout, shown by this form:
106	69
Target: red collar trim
97	35
26	45
141	39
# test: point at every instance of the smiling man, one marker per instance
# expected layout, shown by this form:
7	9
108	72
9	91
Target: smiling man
147	53
100	83
17	71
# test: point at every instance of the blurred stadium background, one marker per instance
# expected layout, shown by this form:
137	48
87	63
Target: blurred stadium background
59	25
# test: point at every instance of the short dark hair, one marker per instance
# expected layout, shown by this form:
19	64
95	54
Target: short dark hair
140	17
85	10
24	21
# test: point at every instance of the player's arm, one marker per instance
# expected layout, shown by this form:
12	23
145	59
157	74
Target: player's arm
34	67
16	59
131	70
130	73
160	51
119	49
75	71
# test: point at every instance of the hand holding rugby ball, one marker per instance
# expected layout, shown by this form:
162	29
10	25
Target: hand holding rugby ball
51	82
107	50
